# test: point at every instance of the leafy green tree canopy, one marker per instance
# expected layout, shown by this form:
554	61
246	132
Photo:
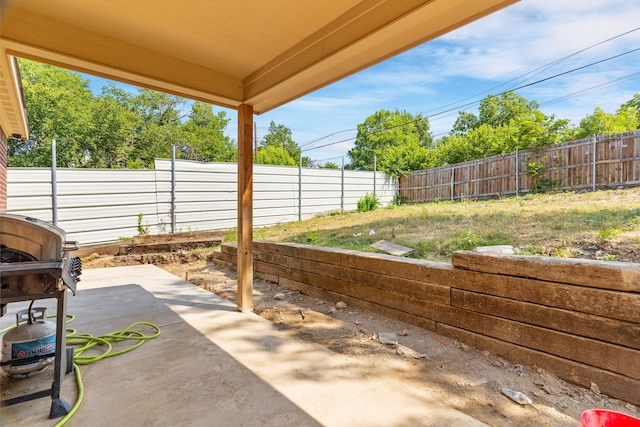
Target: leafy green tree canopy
280	136
59	107
204	135
274	155
504	123
398	139
276	143
329	165
158	127
627	118
633	103
116	129
113	129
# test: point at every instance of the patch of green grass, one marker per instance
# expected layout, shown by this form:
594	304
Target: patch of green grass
563	252
231	236
609	233
461	241
259	233
555	224
311	236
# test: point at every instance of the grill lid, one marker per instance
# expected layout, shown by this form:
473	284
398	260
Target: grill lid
34	262
40	239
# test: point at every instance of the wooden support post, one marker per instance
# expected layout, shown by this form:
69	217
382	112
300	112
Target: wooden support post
3	171
245	207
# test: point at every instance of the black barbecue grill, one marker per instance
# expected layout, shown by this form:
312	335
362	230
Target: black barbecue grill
35	264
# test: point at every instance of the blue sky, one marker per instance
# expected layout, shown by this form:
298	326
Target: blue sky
479	59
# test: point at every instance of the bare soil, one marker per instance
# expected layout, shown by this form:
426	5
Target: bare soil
601	225
468	379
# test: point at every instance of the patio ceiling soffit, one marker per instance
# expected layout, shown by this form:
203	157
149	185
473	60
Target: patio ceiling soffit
225	53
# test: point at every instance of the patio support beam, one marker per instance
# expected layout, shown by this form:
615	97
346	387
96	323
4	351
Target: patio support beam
245	207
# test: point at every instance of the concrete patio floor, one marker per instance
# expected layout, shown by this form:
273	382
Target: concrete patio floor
211	366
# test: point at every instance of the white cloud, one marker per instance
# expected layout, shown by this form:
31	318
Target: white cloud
327	103
476	60
534	32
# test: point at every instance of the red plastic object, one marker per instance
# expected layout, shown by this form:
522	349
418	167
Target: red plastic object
604	418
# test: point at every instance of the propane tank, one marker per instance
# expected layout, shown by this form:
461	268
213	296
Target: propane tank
32	336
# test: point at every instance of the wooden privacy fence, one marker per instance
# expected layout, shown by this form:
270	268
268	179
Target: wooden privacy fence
577	318
587	164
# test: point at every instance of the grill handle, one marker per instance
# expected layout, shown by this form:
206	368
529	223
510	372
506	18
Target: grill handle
70	245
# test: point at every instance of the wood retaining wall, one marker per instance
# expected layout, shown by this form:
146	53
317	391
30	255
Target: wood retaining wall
577	318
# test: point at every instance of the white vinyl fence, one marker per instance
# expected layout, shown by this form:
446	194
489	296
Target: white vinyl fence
103	205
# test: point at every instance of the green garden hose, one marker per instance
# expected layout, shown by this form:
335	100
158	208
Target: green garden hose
88	341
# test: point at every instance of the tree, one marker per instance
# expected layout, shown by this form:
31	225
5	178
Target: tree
112	130
158	126
274	155
204	136
277	140
389	135
633	103
502	109
504	123
59	107
481	142
329	165
465	123
280	136
600	122
401	159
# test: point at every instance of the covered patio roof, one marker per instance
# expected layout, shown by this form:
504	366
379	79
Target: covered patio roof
227	53
251	55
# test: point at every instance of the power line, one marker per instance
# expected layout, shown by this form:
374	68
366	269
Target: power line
591	89
442	114
330	143
576	69
506	91
541	69
330	158
326	136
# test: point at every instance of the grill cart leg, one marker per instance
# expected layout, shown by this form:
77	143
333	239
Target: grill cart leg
59	407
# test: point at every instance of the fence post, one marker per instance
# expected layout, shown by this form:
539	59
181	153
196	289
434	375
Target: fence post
342	188
300	188
54	184
375	171
517	172
173	188
453	169
594	162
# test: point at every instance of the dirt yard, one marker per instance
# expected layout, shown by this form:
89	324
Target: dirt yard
468	379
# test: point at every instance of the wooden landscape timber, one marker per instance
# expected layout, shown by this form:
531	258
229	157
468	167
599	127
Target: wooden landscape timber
147	243
610	275
579	319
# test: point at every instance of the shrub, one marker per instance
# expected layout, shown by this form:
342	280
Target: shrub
397	200
368	203
142	228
